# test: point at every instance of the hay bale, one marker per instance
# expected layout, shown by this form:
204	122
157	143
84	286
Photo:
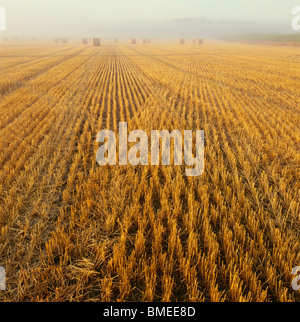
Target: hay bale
182	41
200	41
144	41
65	40
85	41
133	41
97	42
116	40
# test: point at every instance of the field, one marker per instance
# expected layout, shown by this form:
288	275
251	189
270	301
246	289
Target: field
276	39
71	230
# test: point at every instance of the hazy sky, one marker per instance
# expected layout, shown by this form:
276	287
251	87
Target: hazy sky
52	16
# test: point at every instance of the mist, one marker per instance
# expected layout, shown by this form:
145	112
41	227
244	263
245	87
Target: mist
145	18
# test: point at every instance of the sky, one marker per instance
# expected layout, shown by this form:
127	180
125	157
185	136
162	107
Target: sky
52	17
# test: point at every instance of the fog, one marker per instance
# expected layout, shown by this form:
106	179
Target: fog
148	18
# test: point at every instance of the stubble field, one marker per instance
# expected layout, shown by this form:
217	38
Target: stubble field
71	230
